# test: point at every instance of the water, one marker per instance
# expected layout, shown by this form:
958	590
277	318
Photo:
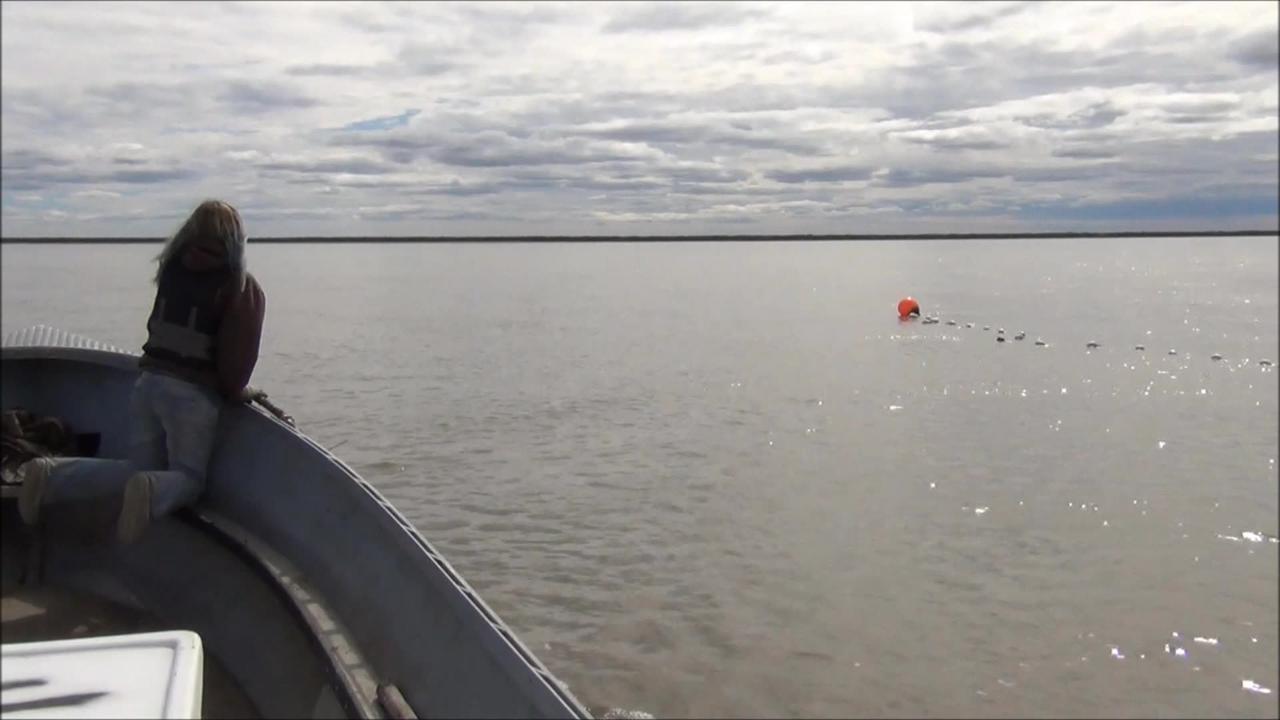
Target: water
723	479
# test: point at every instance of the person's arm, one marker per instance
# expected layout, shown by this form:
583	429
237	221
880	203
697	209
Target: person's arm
239	338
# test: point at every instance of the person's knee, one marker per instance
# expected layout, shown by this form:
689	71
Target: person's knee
174	489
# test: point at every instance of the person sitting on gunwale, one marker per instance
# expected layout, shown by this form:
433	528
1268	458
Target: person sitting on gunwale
203	336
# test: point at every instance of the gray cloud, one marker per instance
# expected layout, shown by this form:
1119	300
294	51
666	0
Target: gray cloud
625	115
960	74
802	57
126	98
1183	119
490	148
454	189
959	143
1259	49
988	14
909	177
1092	171
497	150
848	173
351	166
511	20
261	97
383	19
142	176
28	159
1084	152
1205	108
428	59
689	132
329	70
617	185
680	16
40	179
185	98
703	173
1193	154
1095	116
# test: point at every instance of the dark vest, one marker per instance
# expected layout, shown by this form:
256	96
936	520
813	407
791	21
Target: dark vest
184	322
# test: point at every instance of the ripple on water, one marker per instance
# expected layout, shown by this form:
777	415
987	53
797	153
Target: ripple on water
624	714
1254	687
1249	536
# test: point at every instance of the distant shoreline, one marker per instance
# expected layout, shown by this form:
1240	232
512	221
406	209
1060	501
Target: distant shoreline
658	238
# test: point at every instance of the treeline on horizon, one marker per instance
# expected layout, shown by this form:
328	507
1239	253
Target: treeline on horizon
665	238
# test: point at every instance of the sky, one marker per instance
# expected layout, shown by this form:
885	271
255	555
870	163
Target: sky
687	118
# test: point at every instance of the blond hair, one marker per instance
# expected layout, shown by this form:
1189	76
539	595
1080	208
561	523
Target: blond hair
211	218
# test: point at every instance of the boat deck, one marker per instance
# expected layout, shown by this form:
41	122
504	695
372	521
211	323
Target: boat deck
38	612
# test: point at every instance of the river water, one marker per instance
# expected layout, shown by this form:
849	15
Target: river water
724	479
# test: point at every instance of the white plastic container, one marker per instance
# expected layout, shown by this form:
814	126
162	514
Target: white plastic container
144	675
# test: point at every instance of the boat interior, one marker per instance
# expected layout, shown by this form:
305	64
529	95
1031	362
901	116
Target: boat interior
67	578
32	611
271	649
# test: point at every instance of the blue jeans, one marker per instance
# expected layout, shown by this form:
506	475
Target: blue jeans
173	423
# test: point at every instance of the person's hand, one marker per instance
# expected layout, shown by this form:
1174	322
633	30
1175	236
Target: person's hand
250	394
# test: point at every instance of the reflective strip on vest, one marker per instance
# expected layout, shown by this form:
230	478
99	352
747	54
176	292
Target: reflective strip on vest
184	322
184	340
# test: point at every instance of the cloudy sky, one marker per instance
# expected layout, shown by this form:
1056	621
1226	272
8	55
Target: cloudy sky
634	118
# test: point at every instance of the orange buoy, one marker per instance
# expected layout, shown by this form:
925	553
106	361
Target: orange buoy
907	307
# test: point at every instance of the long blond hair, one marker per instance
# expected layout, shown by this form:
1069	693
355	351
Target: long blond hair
211	218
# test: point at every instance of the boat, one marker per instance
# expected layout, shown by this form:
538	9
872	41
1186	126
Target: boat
311	595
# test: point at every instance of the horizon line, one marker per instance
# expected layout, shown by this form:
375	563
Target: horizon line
711	237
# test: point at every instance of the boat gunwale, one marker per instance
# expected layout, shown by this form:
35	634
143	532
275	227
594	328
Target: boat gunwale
349	695
114	358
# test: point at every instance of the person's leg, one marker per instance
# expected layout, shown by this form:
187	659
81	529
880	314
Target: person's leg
55	480
84	479
48	481
189	414
147	450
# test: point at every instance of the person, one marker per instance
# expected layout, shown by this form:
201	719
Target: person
203	338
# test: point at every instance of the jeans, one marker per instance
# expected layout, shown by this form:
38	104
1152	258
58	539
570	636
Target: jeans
173	423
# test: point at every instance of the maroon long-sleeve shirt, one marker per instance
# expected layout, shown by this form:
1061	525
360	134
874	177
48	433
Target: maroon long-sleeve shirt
240	336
